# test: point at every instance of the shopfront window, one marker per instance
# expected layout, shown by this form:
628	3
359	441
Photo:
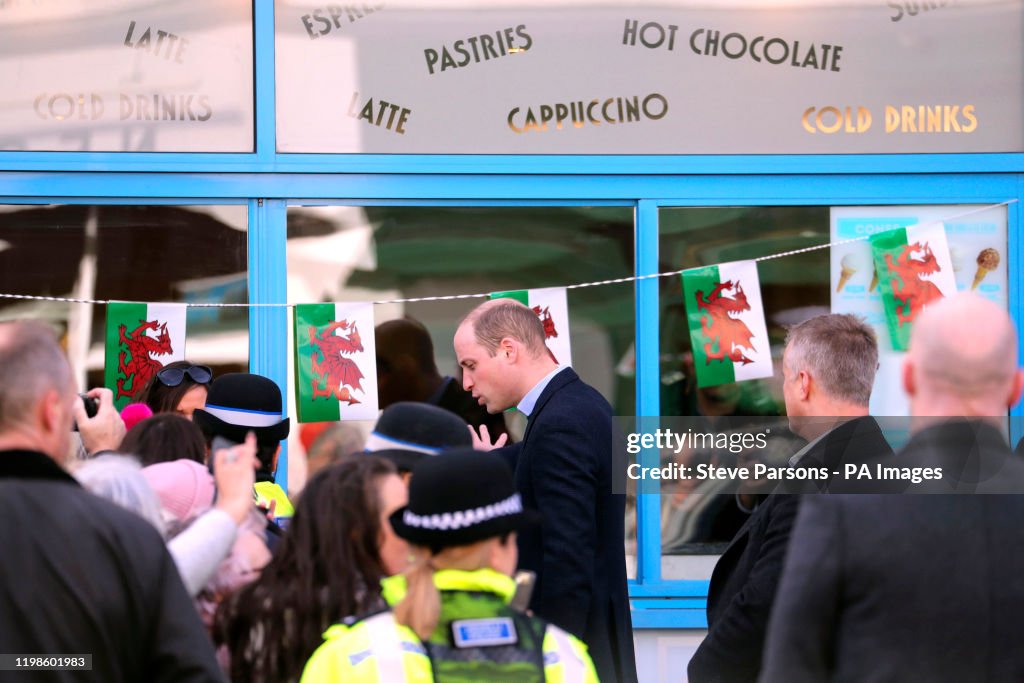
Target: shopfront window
166	76
345	253
430	77
150	254
699	518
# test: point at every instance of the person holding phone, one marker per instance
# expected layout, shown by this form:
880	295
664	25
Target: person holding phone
449	611
239	403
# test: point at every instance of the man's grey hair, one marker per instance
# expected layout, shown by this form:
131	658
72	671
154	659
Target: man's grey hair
500	318
118	478
840	351
31	363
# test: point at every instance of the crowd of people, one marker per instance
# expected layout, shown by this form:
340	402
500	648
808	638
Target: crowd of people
158	542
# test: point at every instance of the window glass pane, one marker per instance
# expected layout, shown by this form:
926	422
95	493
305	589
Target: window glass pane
338	253
165	76
794	287
566	77
194	254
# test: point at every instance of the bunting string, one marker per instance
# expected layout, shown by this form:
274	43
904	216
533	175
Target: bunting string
484	295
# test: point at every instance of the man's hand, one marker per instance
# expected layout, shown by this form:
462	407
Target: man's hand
482	441
105	431
234	471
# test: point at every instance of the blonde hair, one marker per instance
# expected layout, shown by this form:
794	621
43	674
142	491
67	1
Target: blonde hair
420	609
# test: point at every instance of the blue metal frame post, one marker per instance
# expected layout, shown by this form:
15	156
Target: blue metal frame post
268	284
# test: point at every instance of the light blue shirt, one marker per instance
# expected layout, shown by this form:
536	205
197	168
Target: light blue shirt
529	401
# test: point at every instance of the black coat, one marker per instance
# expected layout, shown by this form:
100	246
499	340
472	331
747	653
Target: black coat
907	587
745	579
83	576
564	470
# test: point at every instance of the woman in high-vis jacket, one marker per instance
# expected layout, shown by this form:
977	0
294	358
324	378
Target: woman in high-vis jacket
450	619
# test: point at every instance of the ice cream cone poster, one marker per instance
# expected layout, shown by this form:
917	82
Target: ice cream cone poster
335	362
914	271
725	315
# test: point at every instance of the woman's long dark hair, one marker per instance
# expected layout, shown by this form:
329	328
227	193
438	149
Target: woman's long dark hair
327	568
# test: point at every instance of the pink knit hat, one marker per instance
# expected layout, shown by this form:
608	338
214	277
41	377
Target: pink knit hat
185	487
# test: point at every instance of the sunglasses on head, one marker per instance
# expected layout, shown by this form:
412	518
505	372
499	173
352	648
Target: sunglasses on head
172	377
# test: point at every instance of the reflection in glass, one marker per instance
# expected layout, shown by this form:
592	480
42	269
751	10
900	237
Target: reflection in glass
700	518
135	253
338	253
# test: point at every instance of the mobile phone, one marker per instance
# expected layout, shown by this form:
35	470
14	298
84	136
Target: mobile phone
92	406
524	590
219	443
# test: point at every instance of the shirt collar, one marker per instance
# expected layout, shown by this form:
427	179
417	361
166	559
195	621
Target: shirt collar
529	401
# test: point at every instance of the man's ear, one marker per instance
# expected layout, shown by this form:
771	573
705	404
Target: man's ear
508	349
50	412
909	383
805	384
1017	389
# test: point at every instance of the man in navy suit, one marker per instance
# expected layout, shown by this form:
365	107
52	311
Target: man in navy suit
563	469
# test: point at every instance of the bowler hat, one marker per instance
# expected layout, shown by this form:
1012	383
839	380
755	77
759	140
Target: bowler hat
408	432
461	498
239	403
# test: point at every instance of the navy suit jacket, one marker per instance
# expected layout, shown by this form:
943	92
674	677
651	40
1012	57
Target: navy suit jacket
747	575
564	470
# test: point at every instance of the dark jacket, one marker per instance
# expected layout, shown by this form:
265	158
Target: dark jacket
564	470
907	587
83	576
747	575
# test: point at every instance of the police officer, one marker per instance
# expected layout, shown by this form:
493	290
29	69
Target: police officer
449	615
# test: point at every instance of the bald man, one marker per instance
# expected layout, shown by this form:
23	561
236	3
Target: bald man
407	371
920	587
563	470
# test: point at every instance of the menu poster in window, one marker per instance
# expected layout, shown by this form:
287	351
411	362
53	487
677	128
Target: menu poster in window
977	249
673	77
165	76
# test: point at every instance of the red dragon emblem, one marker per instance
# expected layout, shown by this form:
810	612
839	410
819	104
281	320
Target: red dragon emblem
549	326
721	323
140	348
330	364
909	286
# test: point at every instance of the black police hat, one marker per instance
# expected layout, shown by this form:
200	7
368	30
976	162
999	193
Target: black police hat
408	432
462	497
239	403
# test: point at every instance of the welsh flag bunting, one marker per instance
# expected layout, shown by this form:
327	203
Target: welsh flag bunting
141	339
914	270
726	319
551	306
335	362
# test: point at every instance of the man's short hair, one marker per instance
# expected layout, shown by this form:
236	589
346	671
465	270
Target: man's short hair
840	351
31	363
500	318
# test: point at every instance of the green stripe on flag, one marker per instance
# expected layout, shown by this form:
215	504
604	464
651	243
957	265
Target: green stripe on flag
704	280
891	243
520	295
323	408
130	316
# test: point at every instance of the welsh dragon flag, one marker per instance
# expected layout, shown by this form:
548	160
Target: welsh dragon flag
335	362
552	307
141	339
914	271
726	319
